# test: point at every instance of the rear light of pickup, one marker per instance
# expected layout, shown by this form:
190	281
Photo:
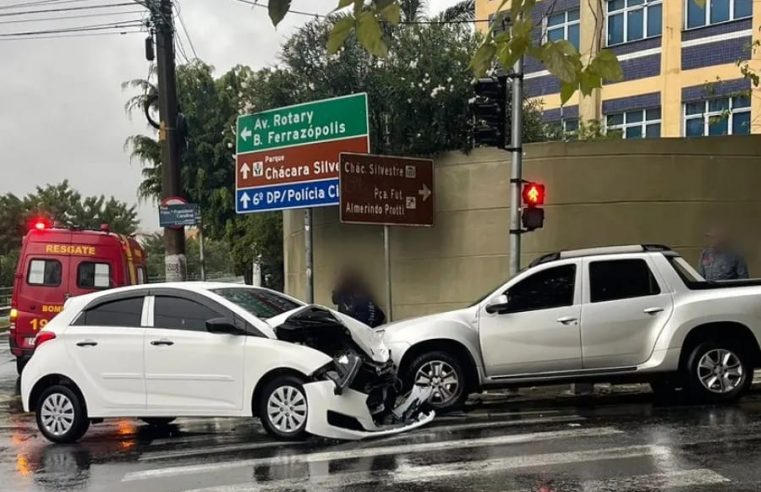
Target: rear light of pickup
43	337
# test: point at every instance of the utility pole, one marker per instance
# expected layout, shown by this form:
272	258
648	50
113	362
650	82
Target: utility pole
516	171
174	239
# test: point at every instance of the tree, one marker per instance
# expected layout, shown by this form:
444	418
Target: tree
217	257
418	101
65	207
560	58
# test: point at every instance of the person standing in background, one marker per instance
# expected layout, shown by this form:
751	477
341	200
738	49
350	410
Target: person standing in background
719	261
353	298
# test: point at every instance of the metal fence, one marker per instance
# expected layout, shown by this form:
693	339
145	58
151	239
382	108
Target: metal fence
5	300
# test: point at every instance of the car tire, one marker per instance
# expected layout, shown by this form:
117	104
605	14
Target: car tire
158	421
439	367
20	364
61	414
717	372
283	409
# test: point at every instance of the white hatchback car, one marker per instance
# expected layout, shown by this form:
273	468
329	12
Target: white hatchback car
162	351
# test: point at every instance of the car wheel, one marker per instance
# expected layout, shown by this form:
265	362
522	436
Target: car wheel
20	363
444	374
283	408
158	421
61	414
717	372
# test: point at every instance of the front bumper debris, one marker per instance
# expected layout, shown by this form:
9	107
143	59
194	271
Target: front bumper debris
347	416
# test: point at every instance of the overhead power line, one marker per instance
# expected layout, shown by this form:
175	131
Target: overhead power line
67	9
297	12
80	35
92	27
185	29
69	17
38	2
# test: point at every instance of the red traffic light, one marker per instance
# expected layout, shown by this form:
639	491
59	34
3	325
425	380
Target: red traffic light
533	194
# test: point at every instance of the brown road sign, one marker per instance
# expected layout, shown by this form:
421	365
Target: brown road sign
379	189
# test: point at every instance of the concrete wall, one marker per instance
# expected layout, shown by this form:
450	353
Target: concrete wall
665	191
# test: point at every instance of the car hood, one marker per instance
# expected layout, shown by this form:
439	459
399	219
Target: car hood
313	317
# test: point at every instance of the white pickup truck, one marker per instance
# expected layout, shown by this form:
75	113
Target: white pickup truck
628	313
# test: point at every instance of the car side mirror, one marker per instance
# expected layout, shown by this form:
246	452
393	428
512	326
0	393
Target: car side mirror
222	325
498	305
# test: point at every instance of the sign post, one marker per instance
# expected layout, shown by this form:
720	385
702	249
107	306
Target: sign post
287	158
386	190
176	213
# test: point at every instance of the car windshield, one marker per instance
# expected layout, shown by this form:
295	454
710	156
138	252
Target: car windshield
263	304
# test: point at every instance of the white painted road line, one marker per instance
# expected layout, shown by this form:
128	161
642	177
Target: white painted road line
209	450
373	451
659	481
417	474
432	431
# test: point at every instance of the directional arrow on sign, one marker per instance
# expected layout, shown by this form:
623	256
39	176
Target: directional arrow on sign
244	170
244	199
425	192
245	133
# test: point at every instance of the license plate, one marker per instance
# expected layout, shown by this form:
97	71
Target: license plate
29	341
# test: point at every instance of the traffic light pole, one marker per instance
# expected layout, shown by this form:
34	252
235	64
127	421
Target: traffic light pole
516	172
174	238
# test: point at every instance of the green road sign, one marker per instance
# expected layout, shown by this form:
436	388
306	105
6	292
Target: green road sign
316	121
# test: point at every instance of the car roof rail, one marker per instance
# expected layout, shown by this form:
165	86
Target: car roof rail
606	250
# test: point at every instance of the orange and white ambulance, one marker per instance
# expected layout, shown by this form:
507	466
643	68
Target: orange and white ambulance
55	264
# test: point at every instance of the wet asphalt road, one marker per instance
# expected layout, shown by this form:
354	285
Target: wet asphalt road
620	443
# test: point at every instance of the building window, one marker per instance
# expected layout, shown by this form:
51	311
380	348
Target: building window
716	11
641	123
719	116
630	20
566	128
564	25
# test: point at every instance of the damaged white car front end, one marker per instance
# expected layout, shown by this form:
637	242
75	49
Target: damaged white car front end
356	395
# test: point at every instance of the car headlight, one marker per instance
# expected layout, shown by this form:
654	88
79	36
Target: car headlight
345	369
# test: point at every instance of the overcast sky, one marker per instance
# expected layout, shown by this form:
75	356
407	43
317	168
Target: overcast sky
61	102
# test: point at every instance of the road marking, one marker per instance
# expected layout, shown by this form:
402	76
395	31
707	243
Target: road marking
430	432
182	453
373	451
659	481
409	474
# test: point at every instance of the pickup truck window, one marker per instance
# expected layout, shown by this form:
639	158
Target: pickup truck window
621	279
547	289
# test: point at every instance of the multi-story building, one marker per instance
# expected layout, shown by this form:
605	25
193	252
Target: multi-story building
680	63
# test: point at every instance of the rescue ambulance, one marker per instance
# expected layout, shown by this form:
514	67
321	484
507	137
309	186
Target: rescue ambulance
55	264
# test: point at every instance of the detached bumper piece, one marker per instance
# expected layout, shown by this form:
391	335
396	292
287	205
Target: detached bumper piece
347	415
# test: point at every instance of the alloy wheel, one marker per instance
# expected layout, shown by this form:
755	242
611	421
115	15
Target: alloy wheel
57	414
287	409
720	371
441	377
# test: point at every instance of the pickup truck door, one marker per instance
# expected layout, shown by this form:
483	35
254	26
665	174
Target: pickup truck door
538	330
624	309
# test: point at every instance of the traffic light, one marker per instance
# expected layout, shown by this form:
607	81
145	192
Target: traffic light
532	216
489	111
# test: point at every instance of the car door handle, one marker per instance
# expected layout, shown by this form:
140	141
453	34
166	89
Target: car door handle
87	343
567	320
163	341
653	310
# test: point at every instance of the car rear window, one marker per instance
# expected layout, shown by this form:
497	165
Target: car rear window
44	272
263	304
91	275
